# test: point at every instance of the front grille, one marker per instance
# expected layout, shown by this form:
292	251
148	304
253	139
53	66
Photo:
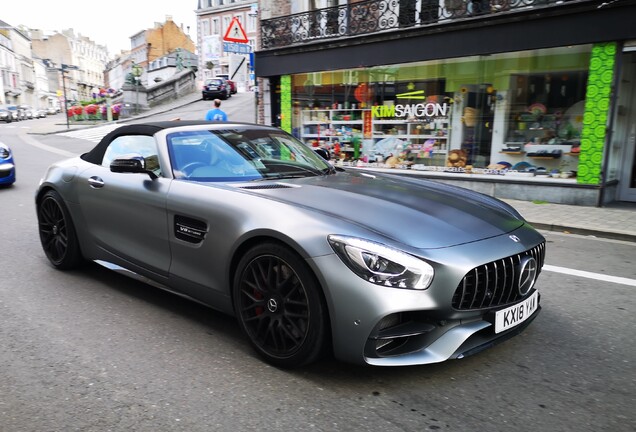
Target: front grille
496	283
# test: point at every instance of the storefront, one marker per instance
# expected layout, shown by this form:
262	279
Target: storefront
555	124
621	167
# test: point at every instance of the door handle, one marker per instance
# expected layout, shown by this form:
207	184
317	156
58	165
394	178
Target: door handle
96	182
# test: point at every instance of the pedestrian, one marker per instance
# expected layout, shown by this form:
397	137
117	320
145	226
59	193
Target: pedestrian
216	114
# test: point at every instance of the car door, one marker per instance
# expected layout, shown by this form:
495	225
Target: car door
126	212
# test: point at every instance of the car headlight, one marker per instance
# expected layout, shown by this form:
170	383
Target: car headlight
382	265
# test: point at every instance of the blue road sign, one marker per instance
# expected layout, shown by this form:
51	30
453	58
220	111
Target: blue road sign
237	48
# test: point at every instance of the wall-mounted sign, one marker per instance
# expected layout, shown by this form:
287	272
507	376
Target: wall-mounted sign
413	110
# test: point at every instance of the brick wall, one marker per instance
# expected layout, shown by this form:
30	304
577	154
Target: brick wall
167	38
274	8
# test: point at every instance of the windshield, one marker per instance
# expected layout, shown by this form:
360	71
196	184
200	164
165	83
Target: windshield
241	154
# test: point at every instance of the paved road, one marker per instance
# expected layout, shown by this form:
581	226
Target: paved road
91	350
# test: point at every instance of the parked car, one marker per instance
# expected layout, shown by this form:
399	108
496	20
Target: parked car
7	166
5	116
232	84
383	269
26	110
41	113
216	88
16	114
51	111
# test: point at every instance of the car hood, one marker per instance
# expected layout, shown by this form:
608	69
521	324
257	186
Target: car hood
419	213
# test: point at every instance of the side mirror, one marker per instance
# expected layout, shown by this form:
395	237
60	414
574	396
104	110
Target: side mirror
131	164
323	153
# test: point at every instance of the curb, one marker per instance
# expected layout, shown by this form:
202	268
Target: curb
585	231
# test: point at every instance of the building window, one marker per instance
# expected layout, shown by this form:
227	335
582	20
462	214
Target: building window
251	23
215	26
206	27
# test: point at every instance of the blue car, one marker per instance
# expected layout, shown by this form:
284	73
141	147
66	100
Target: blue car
7	167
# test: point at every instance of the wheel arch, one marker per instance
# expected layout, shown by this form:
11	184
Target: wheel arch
250	242
43	190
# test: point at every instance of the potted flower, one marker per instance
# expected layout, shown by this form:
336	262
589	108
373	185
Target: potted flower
91	111
116	109
75	112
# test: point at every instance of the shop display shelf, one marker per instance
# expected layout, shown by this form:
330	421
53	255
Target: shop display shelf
341	122
394	121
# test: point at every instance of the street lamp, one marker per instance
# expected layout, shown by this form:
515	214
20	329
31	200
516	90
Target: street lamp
137	71
63	69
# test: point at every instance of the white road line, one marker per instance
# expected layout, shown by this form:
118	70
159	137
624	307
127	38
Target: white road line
91	134
590	275
36	143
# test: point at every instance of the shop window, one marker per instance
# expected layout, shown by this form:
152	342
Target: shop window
493	112
479	103
546	118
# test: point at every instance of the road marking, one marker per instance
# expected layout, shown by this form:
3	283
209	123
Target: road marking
36	143
91	134
590	275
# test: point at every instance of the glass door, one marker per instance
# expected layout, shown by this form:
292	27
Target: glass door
626	128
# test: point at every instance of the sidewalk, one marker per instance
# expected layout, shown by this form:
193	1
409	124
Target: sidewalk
616	221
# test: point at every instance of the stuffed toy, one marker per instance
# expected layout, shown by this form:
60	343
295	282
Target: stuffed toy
456	158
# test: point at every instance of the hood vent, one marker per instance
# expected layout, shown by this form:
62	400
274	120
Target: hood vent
267	186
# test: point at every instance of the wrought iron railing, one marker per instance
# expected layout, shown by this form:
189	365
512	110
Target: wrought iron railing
373	16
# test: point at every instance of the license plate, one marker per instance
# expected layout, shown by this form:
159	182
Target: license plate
516	314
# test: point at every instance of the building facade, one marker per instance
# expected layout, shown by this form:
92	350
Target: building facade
9	77
16	65
148	45
87	60
219	56
515	98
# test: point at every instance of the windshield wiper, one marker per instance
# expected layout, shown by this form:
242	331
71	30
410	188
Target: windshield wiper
329	170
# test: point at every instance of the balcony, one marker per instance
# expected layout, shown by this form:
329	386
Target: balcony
373	16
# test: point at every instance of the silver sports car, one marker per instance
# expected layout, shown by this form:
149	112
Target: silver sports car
379	269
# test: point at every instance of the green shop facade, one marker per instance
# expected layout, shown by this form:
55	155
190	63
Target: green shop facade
543	108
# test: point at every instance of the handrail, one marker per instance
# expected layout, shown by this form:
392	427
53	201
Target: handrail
373	16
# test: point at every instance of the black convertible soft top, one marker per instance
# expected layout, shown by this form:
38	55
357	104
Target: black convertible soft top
149	129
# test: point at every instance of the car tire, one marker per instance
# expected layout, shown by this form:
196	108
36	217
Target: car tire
280	306
57	232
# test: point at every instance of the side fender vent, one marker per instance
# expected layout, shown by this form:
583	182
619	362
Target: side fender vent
189	230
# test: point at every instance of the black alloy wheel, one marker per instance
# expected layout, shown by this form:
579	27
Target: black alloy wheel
280	306
57	233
